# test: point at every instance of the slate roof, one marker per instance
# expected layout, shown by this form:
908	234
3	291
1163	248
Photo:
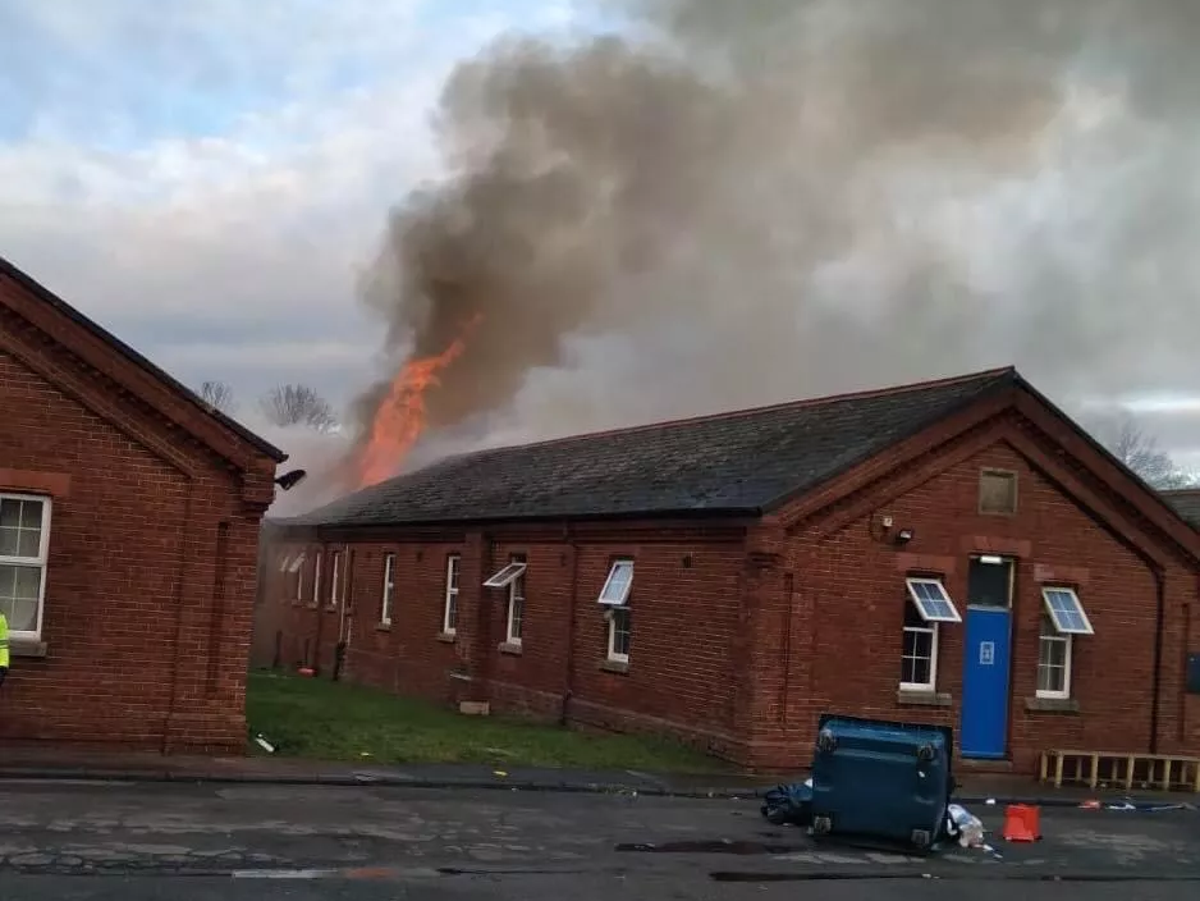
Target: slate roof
733	463
1186	503
120	347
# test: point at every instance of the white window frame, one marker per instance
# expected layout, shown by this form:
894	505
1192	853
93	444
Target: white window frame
516	596
613	613
932	629
316	591
40	561
336	593
509	573
1050	611
618	600
1067	640
389	588
919	602
450	601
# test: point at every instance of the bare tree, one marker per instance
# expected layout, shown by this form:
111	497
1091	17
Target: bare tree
1136	448
294	404
218	395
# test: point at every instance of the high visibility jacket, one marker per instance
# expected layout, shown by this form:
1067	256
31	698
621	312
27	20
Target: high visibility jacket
3	641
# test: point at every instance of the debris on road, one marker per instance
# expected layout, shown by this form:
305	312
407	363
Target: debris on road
789	803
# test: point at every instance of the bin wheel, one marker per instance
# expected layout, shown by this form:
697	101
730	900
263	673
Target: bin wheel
921	839
926	753
822	825
826	742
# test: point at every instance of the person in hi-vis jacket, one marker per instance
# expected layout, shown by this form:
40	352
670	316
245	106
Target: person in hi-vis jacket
3	647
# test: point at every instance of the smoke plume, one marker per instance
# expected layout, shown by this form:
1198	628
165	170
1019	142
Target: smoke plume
737	203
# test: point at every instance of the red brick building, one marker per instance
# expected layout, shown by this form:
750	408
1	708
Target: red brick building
956	552
129	517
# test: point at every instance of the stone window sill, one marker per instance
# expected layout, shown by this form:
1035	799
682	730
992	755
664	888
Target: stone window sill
907	697
383	627
447	637
618	667
1051	705
28	648
511	648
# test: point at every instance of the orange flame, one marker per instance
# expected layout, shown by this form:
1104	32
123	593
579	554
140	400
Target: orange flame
400	419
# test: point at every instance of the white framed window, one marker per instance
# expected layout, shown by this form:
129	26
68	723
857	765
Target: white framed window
389	587
615	596
450	609
335	578
512	571
1066	611
1054	662
24	548
918	659
316	592
616	587
932	601
516	606
1064	619
620	634
297	568
512	577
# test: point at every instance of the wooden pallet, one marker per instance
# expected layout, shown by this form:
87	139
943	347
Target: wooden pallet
1166	772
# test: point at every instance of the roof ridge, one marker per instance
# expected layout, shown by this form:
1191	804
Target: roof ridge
138	359
862	394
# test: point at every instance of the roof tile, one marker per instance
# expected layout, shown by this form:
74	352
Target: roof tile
739	462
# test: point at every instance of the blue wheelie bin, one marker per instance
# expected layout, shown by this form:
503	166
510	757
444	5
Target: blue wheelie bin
882	781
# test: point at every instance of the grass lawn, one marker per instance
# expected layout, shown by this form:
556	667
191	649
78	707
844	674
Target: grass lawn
322	720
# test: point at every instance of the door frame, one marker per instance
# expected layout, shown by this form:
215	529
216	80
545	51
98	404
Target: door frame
987	559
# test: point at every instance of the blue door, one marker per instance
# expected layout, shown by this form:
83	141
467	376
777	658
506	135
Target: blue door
984	731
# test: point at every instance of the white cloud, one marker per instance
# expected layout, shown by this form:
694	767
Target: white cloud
206	181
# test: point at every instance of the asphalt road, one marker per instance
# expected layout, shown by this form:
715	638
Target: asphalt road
193	843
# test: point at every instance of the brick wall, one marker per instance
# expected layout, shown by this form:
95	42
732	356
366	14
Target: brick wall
678	679
151	568
848	587
741	642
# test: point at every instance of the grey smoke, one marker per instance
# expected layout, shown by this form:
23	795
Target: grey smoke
737	203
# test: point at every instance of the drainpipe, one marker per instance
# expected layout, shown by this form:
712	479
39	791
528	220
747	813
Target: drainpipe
572	614
1160	584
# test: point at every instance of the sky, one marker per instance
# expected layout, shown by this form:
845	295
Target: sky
209	178
206	177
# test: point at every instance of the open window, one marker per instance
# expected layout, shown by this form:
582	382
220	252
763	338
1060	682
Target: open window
932	600
616	587
615	596
1066	612
1064	619
506	576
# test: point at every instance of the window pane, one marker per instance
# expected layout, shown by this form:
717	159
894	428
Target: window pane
917	659
622	631
19	590
10	513
1051	678
31	515
912	616
516	619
